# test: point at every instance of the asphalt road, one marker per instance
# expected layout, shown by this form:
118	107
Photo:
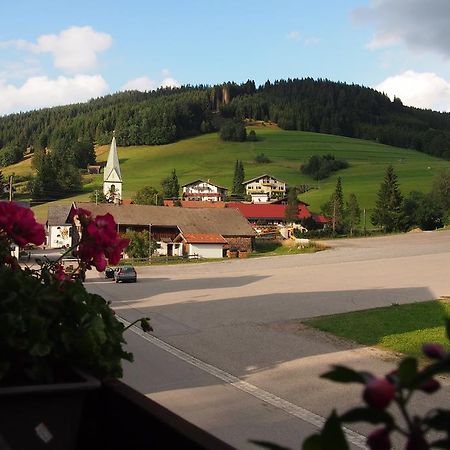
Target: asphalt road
229	351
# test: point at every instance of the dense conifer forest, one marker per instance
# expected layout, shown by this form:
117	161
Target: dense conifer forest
170	114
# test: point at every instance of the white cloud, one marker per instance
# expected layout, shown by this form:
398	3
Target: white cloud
144	83
74	49
139	84
293	35
422	90
39	92
169	82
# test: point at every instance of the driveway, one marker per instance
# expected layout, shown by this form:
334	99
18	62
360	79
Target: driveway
229	351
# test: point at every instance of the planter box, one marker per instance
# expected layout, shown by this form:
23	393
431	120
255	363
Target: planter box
117	417
43	416
243	254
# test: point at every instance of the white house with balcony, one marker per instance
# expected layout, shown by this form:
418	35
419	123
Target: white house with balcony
204	191
265	188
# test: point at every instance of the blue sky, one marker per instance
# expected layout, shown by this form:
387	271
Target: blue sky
59	52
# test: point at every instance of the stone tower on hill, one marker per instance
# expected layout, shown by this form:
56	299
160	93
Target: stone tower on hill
112	178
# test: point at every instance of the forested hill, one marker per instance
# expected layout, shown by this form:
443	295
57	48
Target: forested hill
167	115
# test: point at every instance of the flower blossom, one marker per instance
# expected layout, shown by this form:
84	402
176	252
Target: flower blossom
100	241
20	225
378	393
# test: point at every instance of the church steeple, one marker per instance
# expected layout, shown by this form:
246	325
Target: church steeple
112	178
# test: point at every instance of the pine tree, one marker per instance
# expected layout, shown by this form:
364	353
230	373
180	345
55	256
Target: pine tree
171	186
238	179
291	211
388	208
353	212
334	208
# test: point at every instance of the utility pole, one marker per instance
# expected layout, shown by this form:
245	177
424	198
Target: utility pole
150	242
364	215
96	197
11	187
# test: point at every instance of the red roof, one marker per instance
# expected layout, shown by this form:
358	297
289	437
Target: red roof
209	238
196	204
267	210
321	219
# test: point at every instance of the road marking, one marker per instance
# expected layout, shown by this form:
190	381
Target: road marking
294	410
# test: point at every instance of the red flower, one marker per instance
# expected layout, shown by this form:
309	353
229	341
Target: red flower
20	225
430	386
379	440
378	393
100	241
435	351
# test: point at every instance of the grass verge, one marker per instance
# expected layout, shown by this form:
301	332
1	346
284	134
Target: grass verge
287	247
398	328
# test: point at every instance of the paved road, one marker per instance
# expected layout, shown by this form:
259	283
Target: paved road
229	352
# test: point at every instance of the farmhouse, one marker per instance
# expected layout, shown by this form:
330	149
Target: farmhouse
59	230
166	224
205	191
270	213
264	188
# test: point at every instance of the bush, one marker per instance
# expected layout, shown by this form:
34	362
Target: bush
233	130
320	167
261	158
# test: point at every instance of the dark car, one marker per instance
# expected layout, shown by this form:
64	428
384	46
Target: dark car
125	273
109	272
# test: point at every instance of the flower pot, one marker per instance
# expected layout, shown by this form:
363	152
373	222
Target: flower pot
44	416
243	254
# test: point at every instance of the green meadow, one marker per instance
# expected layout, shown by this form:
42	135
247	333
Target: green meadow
398	328
208	157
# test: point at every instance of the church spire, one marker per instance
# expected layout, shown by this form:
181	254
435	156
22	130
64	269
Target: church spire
112	177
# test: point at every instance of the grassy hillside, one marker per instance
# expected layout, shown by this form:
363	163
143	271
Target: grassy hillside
207	156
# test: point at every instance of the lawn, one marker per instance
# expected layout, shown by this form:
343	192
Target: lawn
280	248
207	157
398	328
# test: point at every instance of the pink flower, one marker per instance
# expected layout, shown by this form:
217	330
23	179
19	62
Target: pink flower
20	225
430	386
379	393
100	241
435	351
59	273
379	440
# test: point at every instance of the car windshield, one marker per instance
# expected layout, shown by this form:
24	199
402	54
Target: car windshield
127	269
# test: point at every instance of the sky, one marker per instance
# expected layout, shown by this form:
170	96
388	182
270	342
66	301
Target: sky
61	52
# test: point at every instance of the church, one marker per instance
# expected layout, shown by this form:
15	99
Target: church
112	178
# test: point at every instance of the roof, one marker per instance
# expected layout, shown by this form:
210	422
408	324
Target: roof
268	210
112	168
319	218
57	215
195	204
203	181
203	238
261	176
223	221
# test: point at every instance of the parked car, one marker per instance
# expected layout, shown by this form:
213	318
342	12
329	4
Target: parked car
109	272
125	273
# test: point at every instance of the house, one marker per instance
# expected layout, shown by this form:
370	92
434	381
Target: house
201	245
264	188
270	213
59	230
166	224
95	168
205	191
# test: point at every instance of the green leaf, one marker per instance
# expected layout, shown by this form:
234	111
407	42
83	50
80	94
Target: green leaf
269	445
447	327
313	442
407	372
370	415
332	436
343	374
439	420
